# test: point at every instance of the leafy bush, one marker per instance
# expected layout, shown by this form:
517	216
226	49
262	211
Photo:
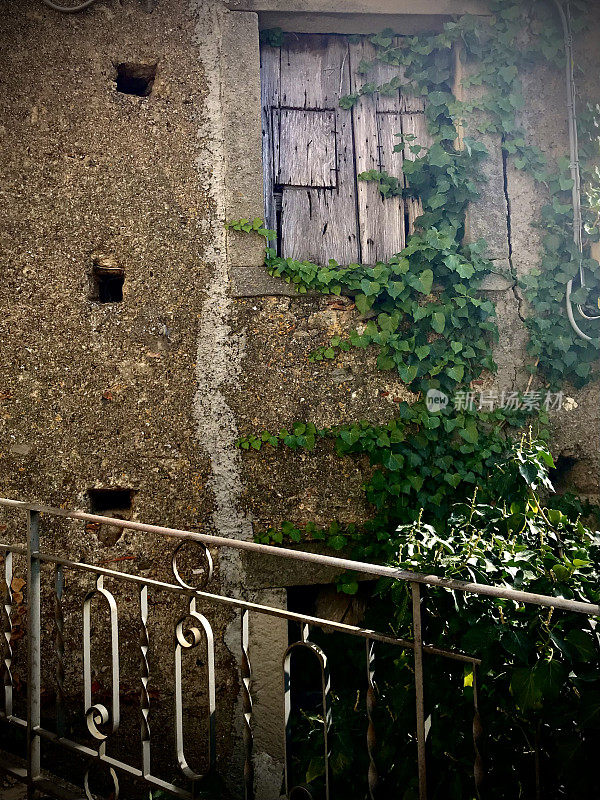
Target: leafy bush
539	684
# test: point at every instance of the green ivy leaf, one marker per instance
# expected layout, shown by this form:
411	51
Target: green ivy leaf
438	321
456	372
470	433
336	542
408	374
526	689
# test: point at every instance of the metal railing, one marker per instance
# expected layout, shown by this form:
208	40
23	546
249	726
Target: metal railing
102	720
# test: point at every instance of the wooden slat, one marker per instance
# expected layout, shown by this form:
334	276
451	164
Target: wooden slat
306	152
324	212
366	153
381	220
320	223
415	125
270	79
402	100
381	74
389	127
410	104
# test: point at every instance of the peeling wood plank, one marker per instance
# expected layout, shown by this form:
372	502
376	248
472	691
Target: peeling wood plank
270	58
389	128
415	125
320	223
410	104
381	220
366	155
399	100
306	152
313	150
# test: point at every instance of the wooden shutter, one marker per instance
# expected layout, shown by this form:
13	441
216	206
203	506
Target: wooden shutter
313	151
305	148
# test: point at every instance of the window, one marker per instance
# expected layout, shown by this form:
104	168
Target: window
313	150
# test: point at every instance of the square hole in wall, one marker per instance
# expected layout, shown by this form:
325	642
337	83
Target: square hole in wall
114	499
136	79
107	281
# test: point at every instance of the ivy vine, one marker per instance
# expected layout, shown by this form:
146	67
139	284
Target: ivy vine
422	309
424	312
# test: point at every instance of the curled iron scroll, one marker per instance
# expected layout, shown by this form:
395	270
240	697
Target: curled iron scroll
207	572
300	792
188	637
97	715
114	795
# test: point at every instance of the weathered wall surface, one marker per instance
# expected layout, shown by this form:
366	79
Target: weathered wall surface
121	394
576	428
150	394
102	394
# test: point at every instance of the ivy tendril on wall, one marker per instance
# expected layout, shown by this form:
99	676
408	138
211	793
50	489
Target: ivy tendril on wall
467	493
425	313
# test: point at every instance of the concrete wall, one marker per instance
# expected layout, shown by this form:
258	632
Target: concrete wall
151	393
576	429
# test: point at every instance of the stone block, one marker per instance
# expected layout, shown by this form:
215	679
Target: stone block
500	278
255	281
241	117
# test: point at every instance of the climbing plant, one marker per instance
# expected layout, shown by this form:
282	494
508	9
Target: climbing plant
423	462
459	491
446	180
422	307
538	683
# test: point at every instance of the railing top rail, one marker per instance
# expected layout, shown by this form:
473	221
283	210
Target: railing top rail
373	570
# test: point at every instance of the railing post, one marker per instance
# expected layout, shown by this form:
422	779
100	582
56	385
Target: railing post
7	602
144	679
59	650
372	776
33	648
479	766
419	689
246	672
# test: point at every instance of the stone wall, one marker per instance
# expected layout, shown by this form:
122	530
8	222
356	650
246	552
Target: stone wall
150	394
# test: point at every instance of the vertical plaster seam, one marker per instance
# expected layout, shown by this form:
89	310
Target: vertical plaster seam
507	200
219	350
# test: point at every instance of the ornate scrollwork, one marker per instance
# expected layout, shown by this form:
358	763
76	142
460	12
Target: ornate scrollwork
296	792
7	628
97	715
187	637
301	793
113	795
205	572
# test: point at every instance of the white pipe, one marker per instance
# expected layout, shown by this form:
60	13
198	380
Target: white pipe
68	9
